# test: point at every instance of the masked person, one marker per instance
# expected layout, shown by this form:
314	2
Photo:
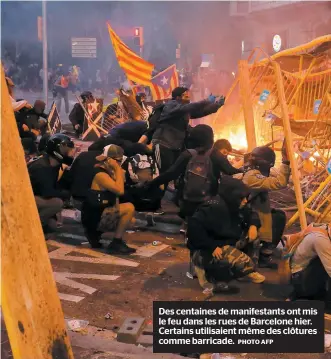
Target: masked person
61	90
260	181
77	114
216	227
45	172
172	127
101	210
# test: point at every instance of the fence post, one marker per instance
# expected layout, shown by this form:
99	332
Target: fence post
289	144
246	100
30	302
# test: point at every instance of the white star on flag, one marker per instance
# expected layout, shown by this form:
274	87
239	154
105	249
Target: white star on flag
93	106
164	81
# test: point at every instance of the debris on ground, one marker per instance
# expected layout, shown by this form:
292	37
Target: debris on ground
157	243
109	316
189	275
76	325
130	232
170	238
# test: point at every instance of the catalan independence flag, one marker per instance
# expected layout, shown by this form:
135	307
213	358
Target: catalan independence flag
164	82
135	68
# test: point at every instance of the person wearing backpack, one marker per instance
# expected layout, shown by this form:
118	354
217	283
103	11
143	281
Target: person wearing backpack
171	128
306	262
194	169
216	227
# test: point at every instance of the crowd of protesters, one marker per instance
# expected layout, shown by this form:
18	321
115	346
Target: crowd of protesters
230	228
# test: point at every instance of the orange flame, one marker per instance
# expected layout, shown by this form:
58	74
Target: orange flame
236	136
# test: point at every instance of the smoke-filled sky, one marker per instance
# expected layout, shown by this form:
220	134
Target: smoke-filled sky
198	26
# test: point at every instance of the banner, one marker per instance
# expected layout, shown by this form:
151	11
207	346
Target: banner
54	122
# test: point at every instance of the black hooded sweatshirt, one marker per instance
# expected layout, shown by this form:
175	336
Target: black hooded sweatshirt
220	221
173	124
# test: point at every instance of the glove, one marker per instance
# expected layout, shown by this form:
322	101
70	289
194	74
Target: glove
212	98
221	100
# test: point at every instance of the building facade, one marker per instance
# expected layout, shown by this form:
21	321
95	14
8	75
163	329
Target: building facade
278	25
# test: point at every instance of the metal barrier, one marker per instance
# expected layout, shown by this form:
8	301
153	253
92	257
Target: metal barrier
255	106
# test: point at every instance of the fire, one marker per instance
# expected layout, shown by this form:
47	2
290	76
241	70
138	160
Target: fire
236	136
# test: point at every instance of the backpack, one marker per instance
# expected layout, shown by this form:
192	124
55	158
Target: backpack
140	163
292	243
198	177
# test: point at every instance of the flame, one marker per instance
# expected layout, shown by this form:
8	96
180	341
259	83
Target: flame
316	154
236	136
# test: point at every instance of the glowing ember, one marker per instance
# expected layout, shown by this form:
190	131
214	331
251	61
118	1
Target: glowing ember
316	154
236	136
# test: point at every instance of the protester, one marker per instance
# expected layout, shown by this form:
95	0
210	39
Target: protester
141	100
192	189
129	131
259	180
81	175
172	126
309	255
77	114
17	105
139	169
220	152
216	227
101	210
61	89
44	175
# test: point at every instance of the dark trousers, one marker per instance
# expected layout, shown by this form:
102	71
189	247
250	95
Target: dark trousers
310	283
278	227
165	157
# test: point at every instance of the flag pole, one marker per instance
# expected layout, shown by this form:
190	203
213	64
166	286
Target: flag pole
45	67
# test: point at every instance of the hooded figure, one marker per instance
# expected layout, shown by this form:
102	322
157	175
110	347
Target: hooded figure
216	227
200	141
260	182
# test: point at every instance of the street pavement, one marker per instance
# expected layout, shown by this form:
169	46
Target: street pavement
127	286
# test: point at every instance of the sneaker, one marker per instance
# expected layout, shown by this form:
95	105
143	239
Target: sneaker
220	287
256	277
118	246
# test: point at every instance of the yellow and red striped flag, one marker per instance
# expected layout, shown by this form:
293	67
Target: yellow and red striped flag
163	83
135	68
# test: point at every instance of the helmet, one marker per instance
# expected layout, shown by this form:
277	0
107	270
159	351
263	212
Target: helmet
263	158
53	148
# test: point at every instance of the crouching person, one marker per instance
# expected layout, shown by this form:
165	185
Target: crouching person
261	180
101	211
214	230
306	262
45	172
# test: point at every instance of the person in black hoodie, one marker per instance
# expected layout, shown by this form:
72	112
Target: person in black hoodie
44	175
217	226
172	127
200	139
77	114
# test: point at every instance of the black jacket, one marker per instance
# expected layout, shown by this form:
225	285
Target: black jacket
44	178
172	126
129	131
220	221
220	166
81	173
77	115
